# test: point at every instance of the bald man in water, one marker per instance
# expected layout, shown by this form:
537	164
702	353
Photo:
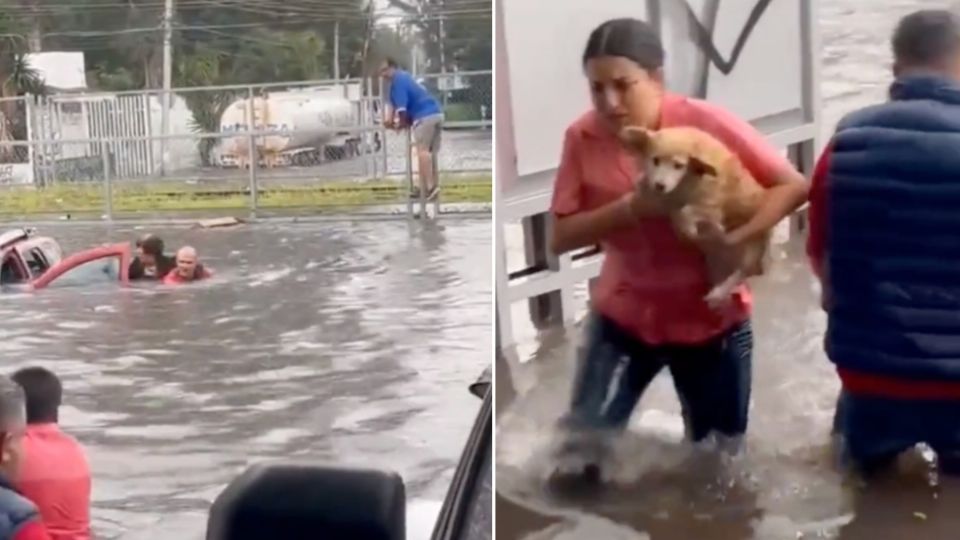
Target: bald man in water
188	268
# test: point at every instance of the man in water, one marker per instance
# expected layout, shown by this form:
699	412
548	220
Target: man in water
883	236
55	474
410	105
188	269
19	518
150	262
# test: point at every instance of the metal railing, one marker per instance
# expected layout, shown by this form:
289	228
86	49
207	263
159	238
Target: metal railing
297	135
92	175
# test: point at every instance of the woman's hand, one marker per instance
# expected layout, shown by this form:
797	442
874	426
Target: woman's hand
640	206
590	227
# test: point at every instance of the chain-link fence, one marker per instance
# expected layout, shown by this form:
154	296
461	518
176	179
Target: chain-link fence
299	144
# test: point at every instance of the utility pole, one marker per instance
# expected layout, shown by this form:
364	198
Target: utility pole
165	98
35	37
444	85
336	51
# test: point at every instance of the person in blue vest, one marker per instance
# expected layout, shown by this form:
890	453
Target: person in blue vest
410	105
885	242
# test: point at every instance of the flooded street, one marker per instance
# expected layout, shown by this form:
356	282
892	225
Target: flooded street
785	486
333	341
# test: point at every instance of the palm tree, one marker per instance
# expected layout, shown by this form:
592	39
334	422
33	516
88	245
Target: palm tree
204	67
17	80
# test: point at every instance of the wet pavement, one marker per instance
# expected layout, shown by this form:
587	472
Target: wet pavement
785	485
340	342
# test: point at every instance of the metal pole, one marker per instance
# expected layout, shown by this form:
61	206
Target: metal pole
253	176
31	133
253	156
407	139
167	81
421	185
107	180
383	131
436	181
443	66
336	51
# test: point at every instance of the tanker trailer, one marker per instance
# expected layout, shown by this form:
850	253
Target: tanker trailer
309	122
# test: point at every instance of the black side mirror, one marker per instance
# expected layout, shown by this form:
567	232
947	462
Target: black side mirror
294	502
482	384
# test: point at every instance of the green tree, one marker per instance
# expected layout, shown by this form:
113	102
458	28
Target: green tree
17	79
204	67
457	30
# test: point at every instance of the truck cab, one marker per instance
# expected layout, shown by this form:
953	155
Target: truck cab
37	262
24	257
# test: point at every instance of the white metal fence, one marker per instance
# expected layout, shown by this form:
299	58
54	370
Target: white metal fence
304	131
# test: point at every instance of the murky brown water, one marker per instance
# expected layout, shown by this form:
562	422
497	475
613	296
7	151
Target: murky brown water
343	342
785	486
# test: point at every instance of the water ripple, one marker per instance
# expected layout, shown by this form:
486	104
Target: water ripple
351	342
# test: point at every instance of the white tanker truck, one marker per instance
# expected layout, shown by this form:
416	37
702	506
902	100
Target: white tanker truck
310	120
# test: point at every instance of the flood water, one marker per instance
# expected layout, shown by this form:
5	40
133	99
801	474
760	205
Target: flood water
785	485
340	342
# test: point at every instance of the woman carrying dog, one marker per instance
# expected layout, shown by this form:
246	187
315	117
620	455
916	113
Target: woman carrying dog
647	304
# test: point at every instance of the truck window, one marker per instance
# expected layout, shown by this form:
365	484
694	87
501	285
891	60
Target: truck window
11	271
36	262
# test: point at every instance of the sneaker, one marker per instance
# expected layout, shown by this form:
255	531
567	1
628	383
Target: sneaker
433	192
415	193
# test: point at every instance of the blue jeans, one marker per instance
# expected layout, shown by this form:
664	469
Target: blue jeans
712	379
875	430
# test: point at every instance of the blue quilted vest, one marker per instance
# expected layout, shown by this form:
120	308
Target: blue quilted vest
893	239
15	511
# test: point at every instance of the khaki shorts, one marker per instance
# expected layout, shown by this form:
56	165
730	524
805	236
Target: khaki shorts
427	132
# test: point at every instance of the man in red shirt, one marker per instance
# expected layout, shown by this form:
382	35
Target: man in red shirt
188	268
54	473
19	519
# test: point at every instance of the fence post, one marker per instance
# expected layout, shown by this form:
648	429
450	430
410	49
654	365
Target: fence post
253	156
383	130
369	158
107	180
407	140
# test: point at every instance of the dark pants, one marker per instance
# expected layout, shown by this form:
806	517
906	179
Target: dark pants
875	430
712	379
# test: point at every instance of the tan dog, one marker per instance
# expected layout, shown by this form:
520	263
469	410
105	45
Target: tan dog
704	189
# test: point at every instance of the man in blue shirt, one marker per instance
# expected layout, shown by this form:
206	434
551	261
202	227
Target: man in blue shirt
410	105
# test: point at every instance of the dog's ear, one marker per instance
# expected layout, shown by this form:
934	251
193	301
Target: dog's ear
636	138
701	168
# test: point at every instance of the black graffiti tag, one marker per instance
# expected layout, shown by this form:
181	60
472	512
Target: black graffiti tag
704	36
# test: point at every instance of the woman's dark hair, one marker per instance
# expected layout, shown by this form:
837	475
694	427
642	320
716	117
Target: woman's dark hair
151	245
629	38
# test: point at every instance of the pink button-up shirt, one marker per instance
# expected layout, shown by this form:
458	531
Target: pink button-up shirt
651	283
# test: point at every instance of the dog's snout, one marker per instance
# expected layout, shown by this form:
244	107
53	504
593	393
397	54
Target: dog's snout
659	187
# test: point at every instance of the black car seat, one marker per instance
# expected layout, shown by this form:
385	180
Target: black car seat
301	502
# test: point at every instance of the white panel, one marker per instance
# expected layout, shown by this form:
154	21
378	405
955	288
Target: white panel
767	79
545	40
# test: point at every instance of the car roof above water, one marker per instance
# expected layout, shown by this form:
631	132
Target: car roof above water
12	236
